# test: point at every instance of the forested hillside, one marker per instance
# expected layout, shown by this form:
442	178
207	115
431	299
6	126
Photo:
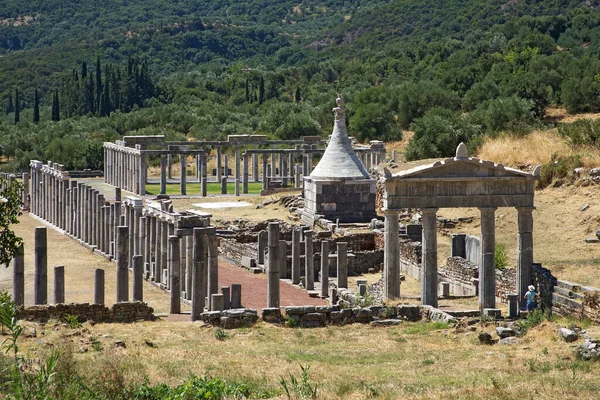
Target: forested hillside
449	70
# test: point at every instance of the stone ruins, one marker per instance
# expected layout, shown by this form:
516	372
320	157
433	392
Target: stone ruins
179	250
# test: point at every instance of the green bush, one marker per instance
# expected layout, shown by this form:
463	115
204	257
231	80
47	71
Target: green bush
558	168
581	132
438	133
500	256
512	114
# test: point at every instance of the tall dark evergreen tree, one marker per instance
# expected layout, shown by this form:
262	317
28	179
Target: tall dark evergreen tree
297	95
261	90
247	92
36	107
10	107
55	107
17	107
105	106
98	84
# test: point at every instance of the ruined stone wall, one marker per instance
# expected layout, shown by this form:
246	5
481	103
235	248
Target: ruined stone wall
119	312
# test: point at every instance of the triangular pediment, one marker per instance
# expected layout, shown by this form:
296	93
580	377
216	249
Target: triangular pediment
461	168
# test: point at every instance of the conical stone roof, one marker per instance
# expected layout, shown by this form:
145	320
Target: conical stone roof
339	160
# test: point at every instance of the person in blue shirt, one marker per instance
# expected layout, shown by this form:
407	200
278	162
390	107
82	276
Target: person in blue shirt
531	297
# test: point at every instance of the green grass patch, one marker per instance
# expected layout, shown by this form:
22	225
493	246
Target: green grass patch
425	327
194	188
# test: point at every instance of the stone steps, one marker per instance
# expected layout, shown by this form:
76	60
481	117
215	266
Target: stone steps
571	286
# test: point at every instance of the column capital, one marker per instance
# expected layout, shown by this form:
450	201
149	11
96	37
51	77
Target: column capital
489	209
429	210
387	211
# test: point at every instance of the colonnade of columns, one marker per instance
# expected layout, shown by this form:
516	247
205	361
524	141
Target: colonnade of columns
429	258
8	179
125	167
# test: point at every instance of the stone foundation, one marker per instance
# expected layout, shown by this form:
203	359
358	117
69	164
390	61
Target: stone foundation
120	312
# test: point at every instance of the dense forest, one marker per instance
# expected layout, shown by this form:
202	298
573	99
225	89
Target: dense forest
74	74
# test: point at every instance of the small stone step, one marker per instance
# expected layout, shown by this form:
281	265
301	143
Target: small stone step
577	296
562	291
313	293
575	287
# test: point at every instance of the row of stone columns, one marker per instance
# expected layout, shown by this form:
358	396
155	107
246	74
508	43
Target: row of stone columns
40	283
277	261
125	167
8	179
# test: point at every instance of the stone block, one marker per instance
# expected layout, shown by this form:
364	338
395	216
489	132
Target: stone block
314	317
568	335
299	310
248	262
272	315
505	332
410	313
491	313
386	322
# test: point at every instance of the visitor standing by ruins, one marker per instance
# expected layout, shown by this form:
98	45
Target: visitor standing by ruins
531	297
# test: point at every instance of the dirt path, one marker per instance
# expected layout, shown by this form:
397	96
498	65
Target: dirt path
81	262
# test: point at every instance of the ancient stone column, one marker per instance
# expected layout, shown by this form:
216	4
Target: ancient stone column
283	259
262	245
213	268
138	231
137	288
255	165
19	277
198	168
273	267
99	286
309	268
325	268
224	185
283	161
143	174
297	178
487	267
524	251
163	174
295	256
182	175
395	155
170	166
237	170
175	305
158	251
145	244
457	248
513	305
429	273
199	266
164	253
189	265
264	172
217	301
236	296
245	174
40	284
219	164
342	265
273	162
59	284
391	256
122	261
204	179
226	297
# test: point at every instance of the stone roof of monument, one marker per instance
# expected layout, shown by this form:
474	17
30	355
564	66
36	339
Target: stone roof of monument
339	160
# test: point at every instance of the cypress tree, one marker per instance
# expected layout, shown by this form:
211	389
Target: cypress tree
83	70
36	107
17	116
98	84
247	92
55	107
10	106
297	95
105	106
261	90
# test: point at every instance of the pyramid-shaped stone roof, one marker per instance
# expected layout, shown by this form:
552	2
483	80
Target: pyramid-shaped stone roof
339	160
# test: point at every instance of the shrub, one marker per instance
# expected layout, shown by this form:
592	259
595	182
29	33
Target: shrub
581	132
438	134
299	388
221	334
558	168
72	321
291	321
500	256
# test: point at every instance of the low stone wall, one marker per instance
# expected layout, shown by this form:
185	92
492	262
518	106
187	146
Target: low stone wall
462	276
229	319
234	250
506	283
119	312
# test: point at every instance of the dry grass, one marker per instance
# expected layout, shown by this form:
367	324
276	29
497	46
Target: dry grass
413	361
560	115
535	149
